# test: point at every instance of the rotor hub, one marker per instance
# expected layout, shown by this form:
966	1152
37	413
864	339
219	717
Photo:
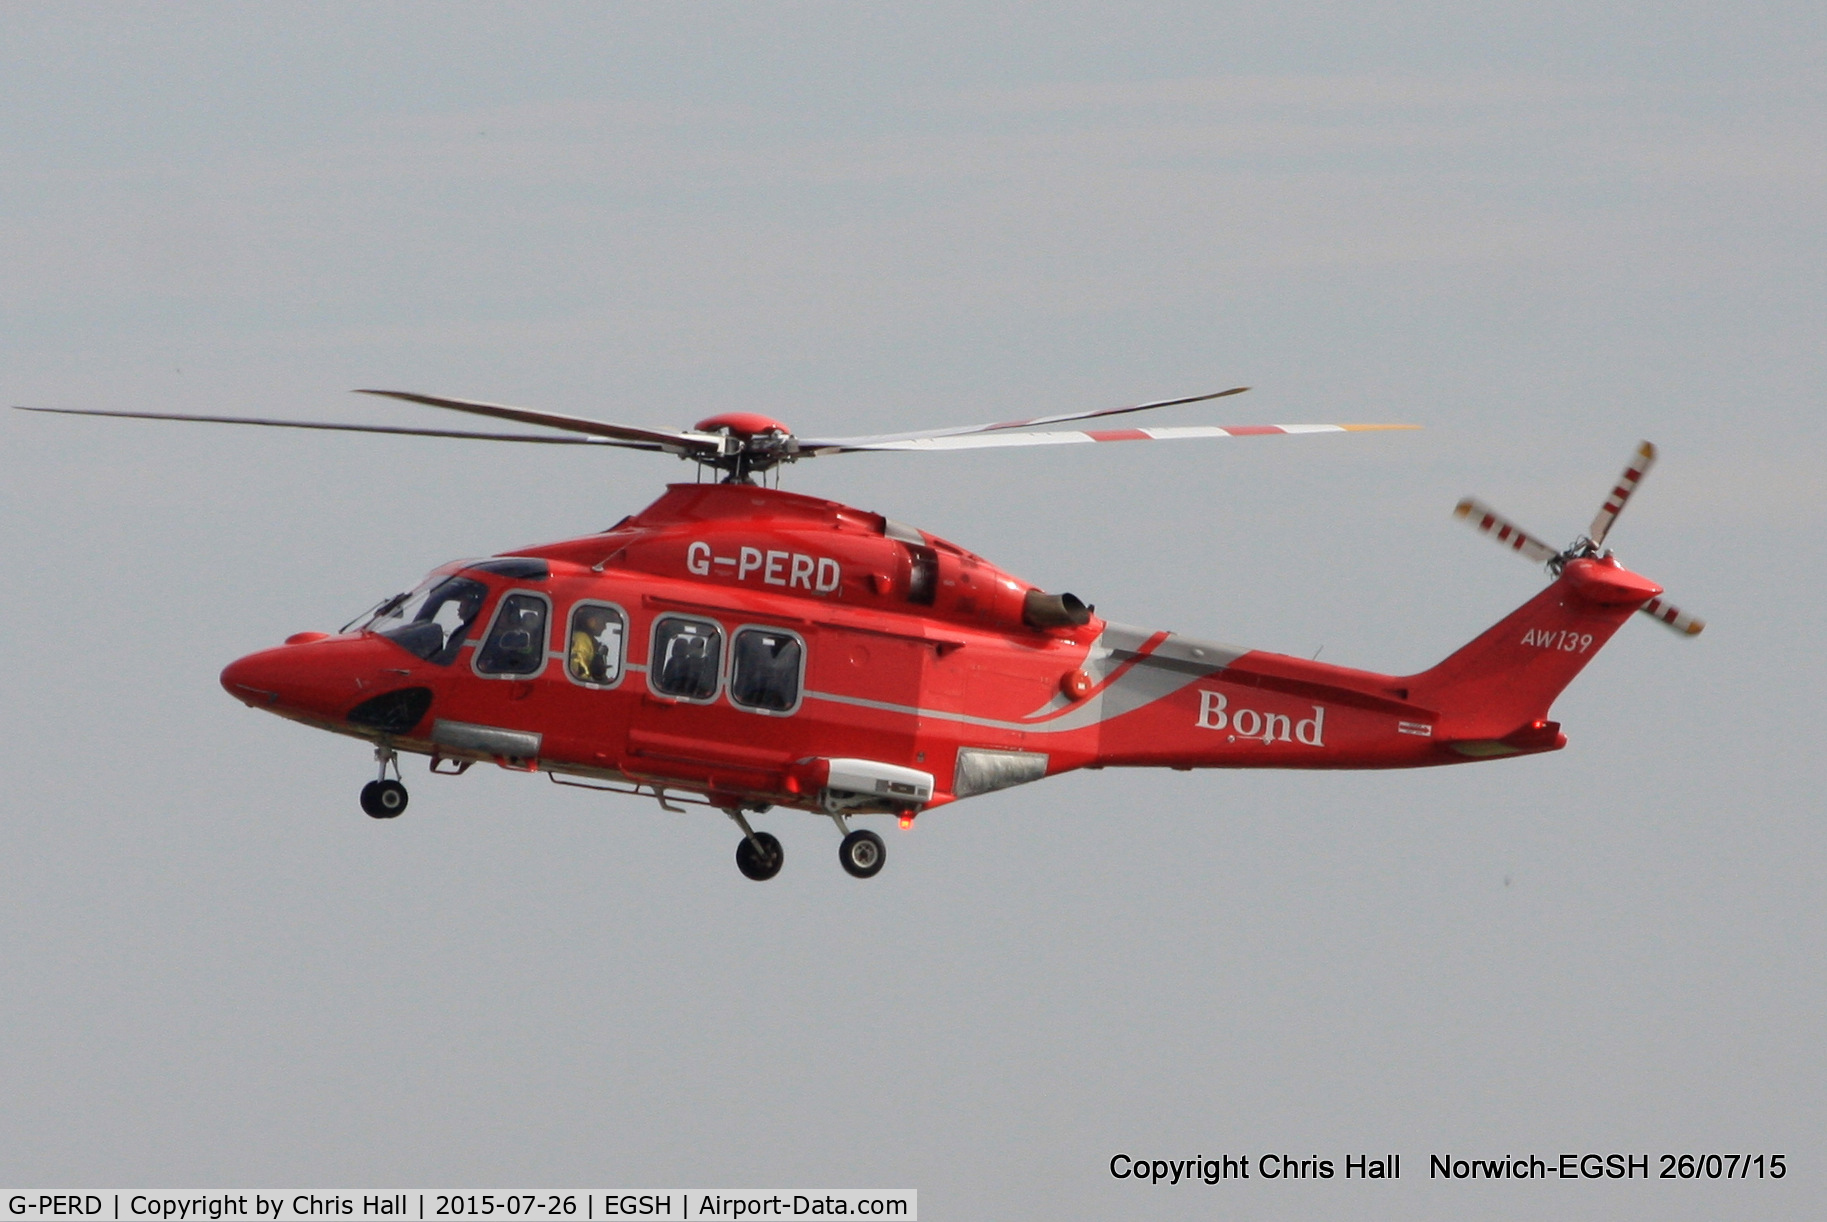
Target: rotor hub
753	443
742	424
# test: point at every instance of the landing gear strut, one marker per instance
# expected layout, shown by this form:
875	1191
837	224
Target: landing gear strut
383	798
758	855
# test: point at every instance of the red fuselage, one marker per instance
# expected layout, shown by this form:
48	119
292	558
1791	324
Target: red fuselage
734	641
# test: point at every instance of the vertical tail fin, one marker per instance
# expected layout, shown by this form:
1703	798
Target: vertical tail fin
1501	684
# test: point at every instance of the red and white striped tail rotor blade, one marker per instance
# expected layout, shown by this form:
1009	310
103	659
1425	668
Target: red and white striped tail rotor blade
1634	471
1665	612
1506	532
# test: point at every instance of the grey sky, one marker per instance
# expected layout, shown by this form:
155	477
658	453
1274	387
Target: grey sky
1542	232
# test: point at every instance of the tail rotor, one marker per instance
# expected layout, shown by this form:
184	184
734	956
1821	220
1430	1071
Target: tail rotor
1588	545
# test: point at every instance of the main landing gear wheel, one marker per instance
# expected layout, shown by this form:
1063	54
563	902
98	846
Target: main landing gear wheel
762	865
384	799
862	854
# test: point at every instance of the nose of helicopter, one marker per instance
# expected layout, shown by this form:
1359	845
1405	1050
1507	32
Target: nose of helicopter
322	677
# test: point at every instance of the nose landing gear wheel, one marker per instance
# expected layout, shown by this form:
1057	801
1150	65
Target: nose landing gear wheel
755	865
863	854
384	799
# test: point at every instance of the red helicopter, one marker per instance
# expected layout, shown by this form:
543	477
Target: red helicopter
745	648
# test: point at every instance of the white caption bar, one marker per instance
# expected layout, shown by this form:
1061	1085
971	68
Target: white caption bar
442	1205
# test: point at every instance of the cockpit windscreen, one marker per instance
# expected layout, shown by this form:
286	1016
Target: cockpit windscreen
434	619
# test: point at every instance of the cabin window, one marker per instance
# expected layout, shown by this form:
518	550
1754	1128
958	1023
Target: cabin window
687	658
765	669
516	644
433	621
593	650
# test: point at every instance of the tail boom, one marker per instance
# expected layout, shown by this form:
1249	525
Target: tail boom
1488	699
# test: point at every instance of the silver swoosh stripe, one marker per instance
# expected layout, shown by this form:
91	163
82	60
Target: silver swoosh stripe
1176	663
1121	644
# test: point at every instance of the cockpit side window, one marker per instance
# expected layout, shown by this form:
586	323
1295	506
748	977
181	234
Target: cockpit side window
686	659
434	622
593	651
765	665
516	644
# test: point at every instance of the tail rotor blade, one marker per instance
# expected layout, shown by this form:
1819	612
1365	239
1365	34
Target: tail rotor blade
1484	518
1665	612
1634	471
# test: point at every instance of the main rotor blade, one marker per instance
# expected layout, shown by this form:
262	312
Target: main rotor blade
1634	471
665	439
1665	612
1484	518
858	443
346	428
1066	437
